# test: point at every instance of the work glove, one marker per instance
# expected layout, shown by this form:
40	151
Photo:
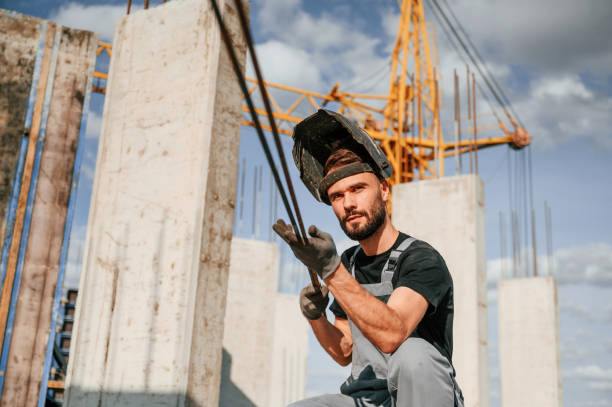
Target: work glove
313	302
318	253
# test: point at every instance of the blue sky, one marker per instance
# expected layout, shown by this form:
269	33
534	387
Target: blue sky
553	59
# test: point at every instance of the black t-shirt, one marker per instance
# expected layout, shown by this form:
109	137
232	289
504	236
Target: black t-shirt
421	268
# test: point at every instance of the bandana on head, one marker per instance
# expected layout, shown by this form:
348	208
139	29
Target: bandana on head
342	172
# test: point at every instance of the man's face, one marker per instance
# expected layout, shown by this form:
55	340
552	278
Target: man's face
359	204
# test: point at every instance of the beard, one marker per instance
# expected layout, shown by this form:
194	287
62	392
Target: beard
375	217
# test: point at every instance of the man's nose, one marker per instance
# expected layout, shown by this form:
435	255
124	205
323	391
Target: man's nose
349	202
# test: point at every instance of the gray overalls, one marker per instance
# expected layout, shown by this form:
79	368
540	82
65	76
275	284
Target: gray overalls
415	375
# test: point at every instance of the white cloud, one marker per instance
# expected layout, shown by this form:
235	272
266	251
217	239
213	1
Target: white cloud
583	312
559	108
94	124
591	264
586	264
590	372
287	65
339	50
97	18
75	256
559	35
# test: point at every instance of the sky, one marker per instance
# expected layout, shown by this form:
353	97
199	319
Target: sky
553	60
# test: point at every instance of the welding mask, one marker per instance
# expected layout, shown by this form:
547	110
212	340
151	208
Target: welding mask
318	136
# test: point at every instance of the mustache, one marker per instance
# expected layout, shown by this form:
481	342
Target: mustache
362	213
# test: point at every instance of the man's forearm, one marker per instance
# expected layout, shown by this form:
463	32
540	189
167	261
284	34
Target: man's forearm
332	340
379	323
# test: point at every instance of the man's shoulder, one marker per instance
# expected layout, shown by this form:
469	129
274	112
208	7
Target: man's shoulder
418	250
348	254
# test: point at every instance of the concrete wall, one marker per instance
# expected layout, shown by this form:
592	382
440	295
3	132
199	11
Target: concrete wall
249	322
449	214
265	340
529	364
290	344
72	54
149	317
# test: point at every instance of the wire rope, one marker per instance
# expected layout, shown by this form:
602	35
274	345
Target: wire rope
481	59
300	232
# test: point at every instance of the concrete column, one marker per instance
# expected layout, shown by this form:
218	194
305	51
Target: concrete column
249	324
149	317
73	60
449	214
265	341
529	361
290	344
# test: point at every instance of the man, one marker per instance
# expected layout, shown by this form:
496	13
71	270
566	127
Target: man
393	295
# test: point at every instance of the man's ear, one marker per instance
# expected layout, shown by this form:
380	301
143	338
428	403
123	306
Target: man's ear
385	190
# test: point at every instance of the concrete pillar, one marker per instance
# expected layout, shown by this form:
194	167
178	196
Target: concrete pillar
290	344
529	361
149	317
249	324
449	214
265	340
71	58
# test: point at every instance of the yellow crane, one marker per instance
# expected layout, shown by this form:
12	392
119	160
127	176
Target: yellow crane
405	121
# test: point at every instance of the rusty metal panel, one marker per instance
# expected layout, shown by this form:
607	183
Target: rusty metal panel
42	241
19	41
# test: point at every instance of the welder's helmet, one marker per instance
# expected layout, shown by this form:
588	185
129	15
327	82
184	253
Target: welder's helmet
316	137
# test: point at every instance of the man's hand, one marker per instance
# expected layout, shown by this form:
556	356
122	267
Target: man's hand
313	302
318	253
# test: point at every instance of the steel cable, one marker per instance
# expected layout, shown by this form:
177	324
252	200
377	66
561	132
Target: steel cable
491	76
300	232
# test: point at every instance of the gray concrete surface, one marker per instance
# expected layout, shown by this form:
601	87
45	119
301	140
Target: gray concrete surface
529	359
75	60
265	339
249	321
290	344
449	214
149	317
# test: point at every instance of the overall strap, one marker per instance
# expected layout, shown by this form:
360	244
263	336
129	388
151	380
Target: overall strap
389	269
352	261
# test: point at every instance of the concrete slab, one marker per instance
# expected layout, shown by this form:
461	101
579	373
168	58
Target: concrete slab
75	59
149	317
529	360
449	214
249	323
265	341
290	344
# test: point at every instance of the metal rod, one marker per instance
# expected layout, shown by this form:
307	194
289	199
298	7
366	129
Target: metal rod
264	95
254	202
457	130
146	5
301	233
502	243
475	130
548	221
259	197
515	256
241	216
241	81
533	244
129	5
